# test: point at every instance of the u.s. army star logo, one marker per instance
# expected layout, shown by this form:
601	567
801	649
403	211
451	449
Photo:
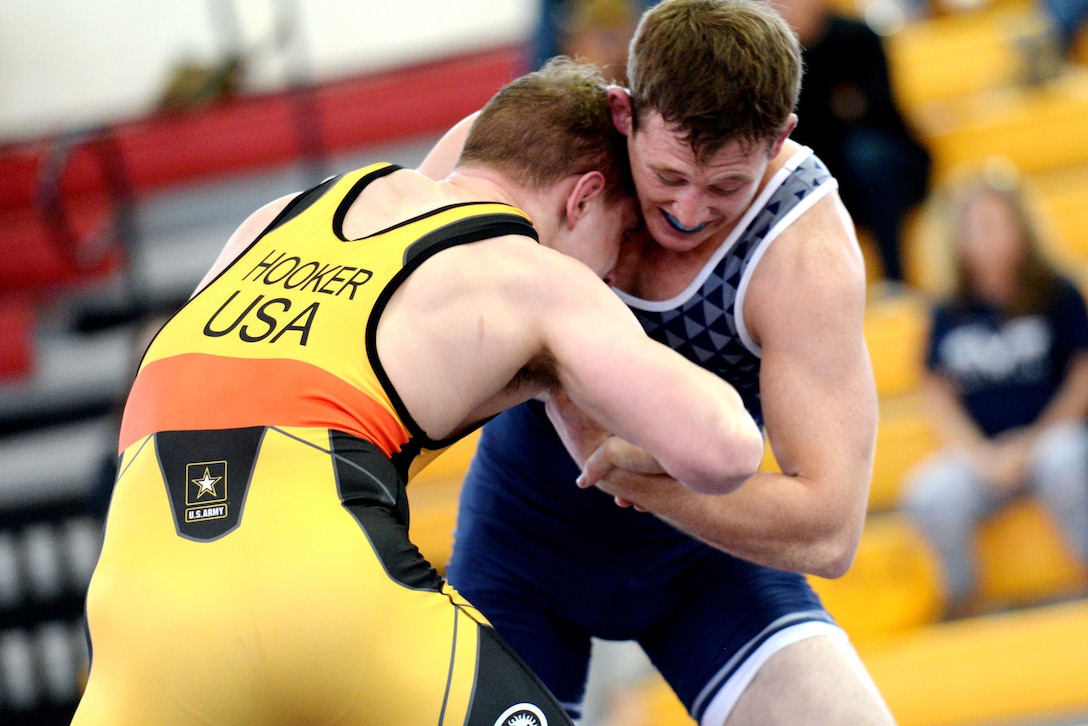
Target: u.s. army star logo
206	495
206	483
206	490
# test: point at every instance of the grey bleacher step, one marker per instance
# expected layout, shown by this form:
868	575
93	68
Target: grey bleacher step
54	464
72	370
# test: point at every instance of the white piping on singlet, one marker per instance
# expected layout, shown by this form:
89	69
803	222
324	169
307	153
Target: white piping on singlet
731	240
738	306
723	702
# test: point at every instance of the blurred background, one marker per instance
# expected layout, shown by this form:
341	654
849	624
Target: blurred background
135	136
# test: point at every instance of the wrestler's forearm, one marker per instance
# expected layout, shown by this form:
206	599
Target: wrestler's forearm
774	520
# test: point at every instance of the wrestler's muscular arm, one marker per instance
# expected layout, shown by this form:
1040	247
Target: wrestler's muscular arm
505	319
805	307
646	393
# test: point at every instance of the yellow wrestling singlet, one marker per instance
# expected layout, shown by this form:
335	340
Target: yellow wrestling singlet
256	567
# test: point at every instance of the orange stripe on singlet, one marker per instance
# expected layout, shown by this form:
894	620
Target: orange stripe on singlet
196	391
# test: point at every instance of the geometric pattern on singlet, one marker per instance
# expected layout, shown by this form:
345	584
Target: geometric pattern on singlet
703	327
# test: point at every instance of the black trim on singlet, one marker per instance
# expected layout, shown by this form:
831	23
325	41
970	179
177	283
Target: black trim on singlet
502	224
363	182
353	194
507	690
463	231
207	475
366	480
431	213
298	205
365	476
403	459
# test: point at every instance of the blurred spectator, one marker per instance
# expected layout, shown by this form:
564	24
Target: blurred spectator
596	30
1068	18
599	31
1006	387
849	116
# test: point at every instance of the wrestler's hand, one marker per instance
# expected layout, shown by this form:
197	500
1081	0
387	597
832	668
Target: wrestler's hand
579	433
616	454
617	459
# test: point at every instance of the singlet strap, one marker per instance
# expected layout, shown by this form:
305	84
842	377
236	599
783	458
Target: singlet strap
462	231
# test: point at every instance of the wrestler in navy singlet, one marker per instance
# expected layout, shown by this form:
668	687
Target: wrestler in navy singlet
551	565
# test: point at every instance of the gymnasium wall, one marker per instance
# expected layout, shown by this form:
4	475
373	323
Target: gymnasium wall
66	65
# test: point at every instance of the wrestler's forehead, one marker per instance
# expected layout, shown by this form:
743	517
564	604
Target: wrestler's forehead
666	151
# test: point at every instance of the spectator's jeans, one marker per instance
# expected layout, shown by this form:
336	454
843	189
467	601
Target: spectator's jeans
947	499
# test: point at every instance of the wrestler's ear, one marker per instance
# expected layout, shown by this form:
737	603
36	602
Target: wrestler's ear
619	103
587	191
780	140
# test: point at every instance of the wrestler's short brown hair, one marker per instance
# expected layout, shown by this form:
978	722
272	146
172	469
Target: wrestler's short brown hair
550	124
716	70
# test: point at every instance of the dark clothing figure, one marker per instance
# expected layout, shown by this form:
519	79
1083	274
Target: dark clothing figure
848	115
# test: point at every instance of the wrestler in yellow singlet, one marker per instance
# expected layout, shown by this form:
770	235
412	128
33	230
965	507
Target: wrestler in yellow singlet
256	567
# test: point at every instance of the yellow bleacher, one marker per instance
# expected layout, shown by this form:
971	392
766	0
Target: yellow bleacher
432	497
1039	129
959	80
1061	200
1026	666
1024	560
895	332
951	56
892	587
894	583
903	438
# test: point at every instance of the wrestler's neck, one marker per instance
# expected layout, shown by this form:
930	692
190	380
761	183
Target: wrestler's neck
478	183
542	206
481	182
